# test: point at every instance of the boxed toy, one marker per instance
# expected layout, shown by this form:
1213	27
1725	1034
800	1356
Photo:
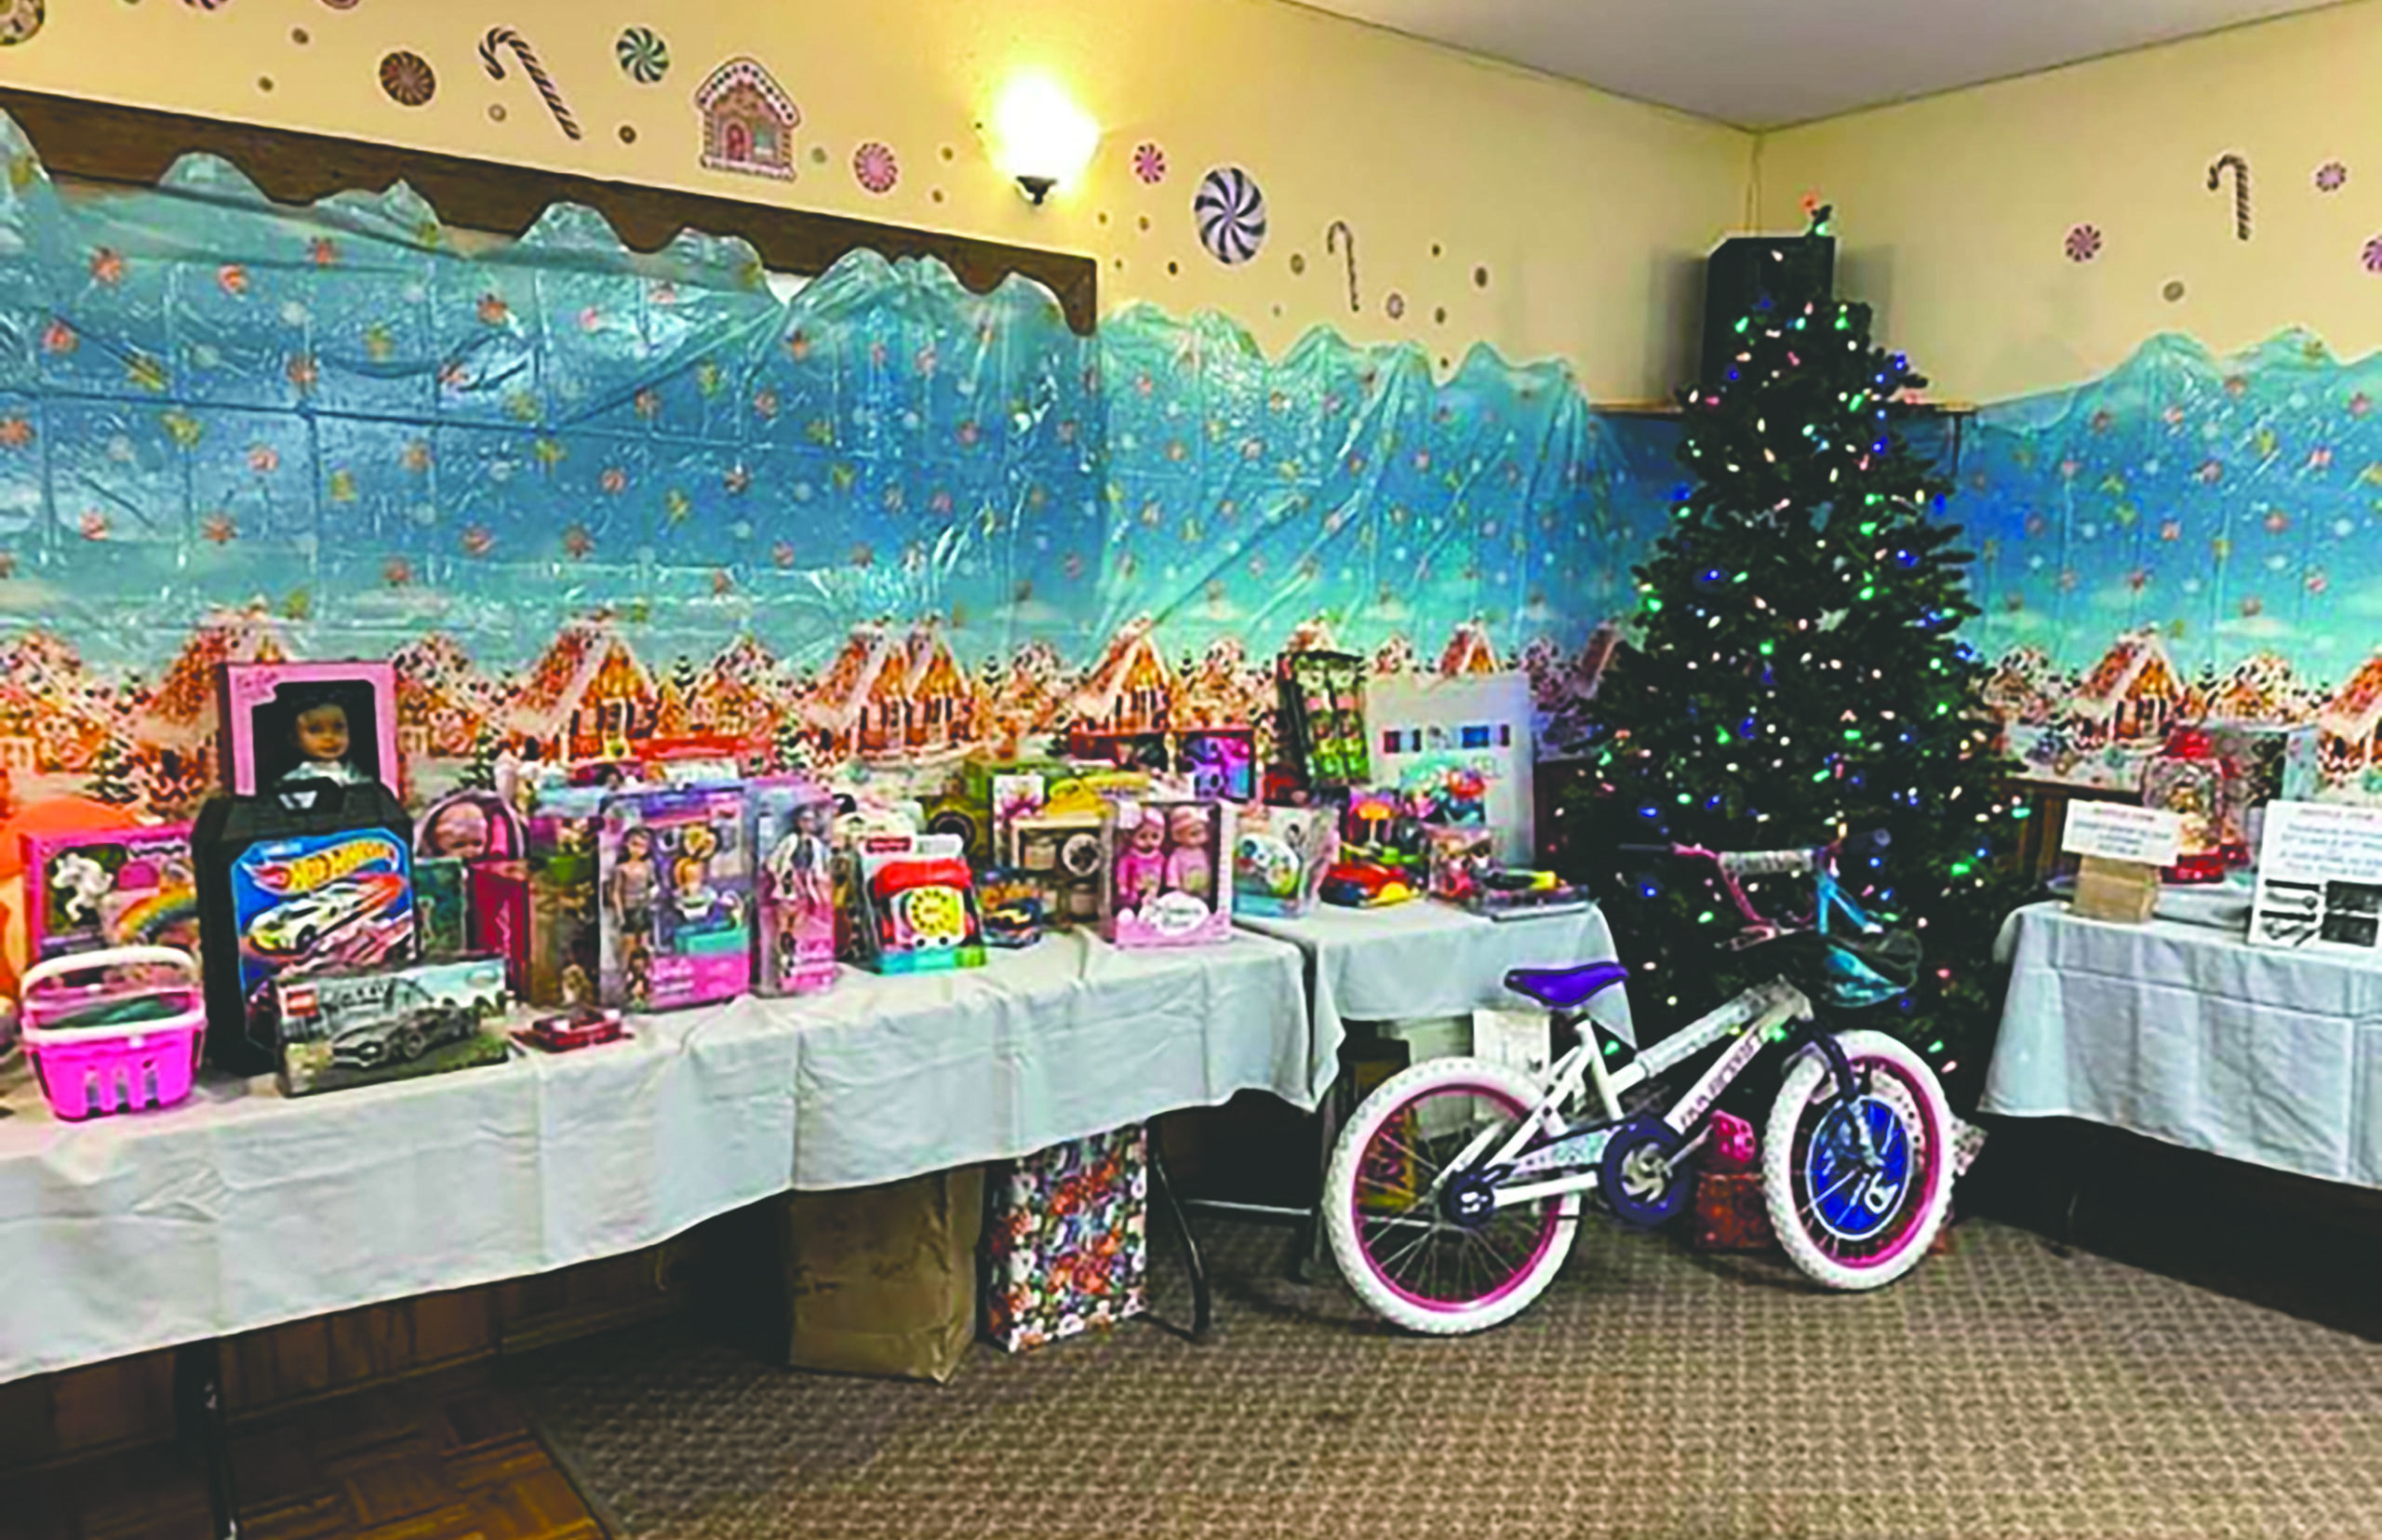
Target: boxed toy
539	914
860	817
1169	878
1065	859
793	822
677	897
1012	904
91	892
442	908
1466	872
1323	719
1068	1245
1280	858
287	727
291	892
393	1023
1460	749
470	825
917	904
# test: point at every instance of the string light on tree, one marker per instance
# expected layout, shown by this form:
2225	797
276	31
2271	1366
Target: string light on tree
1806	597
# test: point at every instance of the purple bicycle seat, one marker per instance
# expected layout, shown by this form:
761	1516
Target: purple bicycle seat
1564	988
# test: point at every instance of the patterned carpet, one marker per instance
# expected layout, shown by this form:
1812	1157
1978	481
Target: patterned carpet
2000	1392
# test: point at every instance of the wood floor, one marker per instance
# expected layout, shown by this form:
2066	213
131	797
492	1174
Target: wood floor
447	1459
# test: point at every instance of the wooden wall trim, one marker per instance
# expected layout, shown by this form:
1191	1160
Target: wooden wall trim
101	142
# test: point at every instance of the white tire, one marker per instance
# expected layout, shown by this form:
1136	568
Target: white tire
1555	1221
1810	1213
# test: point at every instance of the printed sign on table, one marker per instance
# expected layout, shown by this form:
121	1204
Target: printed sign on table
2121	831
2320	879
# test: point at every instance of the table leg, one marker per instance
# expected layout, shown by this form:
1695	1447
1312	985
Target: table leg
1202	1303
198	1397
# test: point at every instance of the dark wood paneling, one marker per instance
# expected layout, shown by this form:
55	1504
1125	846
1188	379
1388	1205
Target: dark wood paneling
101	141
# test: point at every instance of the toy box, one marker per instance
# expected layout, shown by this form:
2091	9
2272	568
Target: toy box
793	822
442	908
1465	871
678	898
91	892
539	912
1065	860
286	892
860	818
287	727
1460	750
917	904
1168	872
1279	856
343	1030
1012	904
1323	719
1068	1246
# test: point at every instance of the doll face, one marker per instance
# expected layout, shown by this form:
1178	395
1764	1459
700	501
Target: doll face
1189	827
689	876
321	733
637	845
462	832
1149	836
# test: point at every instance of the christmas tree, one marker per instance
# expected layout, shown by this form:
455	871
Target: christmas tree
1796	676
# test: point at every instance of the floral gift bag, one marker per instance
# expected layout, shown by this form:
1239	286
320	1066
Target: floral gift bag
1067	1245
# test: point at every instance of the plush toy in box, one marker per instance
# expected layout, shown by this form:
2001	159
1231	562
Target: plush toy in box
1068	1246
1169	874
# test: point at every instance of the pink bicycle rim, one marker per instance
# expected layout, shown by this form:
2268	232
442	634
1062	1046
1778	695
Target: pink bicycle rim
1451	1308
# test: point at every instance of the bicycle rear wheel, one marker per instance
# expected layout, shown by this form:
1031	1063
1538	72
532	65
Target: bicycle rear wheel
1420	1244
1858	1214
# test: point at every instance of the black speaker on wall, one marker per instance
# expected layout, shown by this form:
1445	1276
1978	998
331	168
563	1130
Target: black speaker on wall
1750	274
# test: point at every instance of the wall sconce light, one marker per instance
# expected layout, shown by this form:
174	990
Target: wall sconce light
1039	137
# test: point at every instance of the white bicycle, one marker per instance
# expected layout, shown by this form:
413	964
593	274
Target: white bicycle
1455	1192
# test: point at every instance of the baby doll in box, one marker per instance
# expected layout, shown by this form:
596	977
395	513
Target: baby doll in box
1169	884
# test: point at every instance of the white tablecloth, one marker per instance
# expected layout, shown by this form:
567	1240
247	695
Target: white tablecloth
2185	1033
241	1209
1420	959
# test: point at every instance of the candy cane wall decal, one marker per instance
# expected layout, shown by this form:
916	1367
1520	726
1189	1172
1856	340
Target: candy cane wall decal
1332	239
2240	169
505	37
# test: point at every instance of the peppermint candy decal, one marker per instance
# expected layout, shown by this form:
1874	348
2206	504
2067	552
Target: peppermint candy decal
644	57
1230	210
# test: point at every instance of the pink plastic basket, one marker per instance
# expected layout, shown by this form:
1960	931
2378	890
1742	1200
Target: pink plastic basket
125	1039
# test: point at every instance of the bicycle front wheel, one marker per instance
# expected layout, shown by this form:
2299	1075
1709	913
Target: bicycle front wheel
1856	1189
1420	1241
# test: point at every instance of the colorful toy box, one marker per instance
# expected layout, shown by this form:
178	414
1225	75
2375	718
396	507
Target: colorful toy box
1323	719
539	912
917	904
1279	856
442	908
1169	872
794	823
345	1030
1066	860
94	890
1068	1246
678	898
287	893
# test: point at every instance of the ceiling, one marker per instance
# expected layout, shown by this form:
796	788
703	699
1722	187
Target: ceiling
1765	63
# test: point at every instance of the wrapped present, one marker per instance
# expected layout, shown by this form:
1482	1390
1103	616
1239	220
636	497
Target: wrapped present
1730	1215
1067	1247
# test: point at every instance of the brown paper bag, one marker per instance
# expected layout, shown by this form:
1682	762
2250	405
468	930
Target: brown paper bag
882	1280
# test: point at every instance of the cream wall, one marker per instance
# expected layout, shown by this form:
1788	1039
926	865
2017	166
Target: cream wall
1587	214
1954	211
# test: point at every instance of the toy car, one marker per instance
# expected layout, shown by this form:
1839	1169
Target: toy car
296	927
1366	885
408	1024
1018	922
565	1030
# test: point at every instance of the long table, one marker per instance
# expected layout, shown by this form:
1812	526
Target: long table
242	1209
2183	1032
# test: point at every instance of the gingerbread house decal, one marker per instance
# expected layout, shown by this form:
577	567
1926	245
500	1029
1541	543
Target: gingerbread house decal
862	705
1130	689
748	121
944	706
2132	696
1469	652
2349	727
442	703
589	697
182	715
2261	689
740	696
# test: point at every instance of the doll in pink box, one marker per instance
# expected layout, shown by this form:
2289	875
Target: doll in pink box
1141	865
1190	860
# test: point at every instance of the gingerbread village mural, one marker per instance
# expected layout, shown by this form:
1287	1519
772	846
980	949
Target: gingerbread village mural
2189	540
588	501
